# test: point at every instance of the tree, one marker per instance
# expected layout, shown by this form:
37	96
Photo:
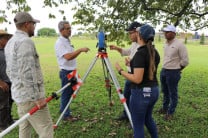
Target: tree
115	15
202	39
47	32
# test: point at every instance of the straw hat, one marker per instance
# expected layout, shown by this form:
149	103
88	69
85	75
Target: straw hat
4	33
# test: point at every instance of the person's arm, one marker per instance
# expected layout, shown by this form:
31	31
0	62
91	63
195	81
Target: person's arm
4	86
70	56
113	47
183	56
29	70
137	77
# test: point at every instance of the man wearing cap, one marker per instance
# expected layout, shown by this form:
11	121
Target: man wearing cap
5	91
24	71
128	52
175	60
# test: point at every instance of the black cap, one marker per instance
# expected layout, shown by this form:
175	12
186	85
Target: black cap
133	26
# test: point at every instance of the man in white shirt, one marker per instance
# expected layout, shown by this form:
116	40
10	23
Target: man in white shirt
66	57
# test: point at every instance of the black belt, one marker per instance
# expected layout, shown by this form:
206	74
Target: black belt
171	69
66	70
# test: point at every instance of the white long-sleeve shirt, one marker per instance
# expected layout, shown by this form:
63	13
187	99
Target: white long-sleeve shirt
23	68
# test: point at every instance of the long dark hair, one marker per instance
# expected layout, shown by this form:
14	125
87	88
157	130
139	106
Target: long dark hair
147	33
151	51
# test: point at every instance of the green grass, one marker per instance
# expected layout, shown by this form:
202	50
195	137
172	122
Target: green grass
96	117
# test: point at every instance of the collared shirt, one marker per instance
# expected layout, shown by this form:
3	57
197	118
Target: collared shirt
3	75
62	47
130	52
175	55
23	68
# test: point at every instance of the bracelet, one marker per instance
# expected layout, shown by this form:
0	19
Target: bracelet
119	72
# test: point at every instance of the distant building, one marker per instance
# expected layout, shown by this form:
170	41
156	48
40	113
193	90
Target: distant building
196	35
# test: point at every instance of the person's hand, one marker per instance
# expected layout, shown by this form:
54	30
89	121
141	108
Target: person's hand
85	49
113	47
41	103
4	86
127	61
118	67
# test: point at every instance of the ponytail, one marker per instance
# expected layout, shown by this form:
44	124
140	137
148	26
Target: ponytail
151	51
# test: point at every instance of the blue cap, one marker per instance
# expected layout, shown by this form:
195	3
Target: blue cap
147	32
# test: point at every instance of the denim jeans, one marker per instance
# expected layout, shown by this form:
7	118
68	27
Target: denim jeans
169	82
66	93
127	93
142	101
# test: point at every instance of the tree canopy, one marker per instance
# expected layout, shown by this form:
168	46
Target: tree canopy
47	32
115	15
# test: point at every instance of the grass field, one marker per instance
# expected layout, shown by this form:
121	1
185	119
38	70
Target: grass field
97	118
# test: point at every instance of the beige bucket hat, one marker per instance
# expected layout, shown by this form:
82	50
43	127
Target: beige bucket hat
4	33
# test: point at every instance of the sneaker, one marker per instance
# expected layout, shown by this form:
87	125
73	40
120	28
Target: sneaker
168	117
162	111
70	119
122	118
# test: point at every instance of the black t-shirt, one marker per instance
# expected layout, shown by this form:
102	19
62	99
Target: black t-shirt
141	60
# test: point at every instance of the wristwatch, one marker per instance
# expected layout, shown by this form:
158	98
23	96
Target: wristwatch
119	72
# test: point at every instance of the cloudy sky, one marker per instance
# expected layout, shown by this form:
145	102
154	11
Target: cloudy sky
40	13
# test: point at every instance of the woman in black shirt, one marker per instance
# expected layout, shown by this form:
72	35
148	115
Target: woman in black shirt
144	87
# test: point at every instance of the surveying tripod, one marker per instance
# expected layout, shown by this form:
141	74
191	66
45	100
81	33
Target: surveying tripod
109	73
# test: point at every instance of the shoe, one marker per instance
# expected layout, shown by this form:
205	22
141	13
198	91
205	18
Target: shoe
168	117
162	111
122	118
2	128
70	119
10	122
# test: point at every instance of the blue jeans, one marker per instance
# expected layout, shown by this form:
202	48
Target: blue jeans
127	93
142	101
169	82
66	93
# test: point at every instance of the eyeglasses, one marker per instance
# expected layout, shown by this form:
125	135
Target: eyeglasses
67	28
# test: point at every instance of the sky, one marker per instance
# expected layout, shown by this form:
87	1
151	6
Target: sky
40	13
